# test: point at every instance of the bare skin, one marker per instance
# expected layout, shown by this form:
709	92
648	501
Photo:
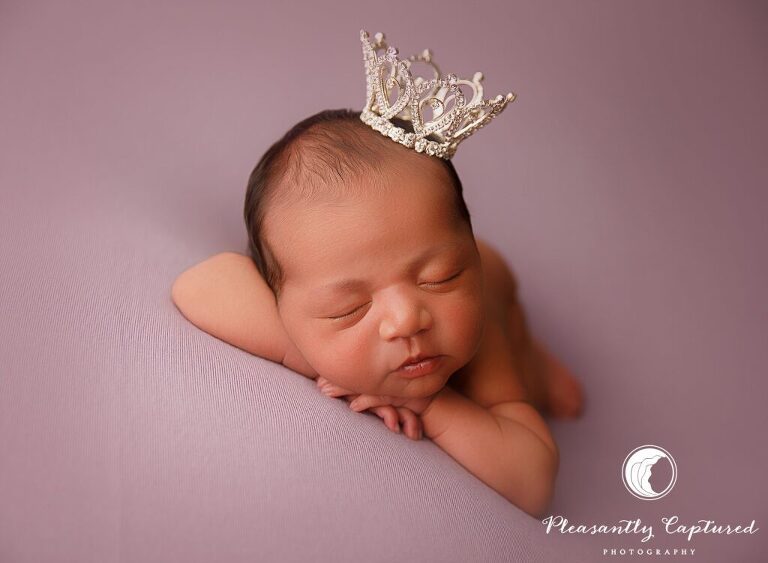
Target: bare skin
372	279
510	354
510	363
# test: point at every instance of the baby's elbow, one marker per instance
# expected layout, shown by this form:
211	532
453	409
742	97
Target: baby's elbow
177	292
539	494
545	498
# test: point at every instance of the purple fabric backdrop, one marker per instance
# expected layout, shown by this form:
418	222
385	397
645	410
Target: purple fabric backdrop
626	186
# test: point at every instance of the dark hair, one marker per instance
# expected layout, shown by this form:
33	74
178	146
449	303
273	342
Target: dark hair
335	146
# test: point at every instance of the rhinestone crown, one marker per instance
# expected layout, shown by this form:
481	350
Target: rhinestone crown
453	118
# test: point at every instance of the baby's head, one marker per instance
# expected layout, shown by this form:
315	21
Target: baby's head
334	201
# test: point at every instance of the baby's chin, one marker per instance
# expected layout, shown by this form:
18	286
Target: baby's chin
418	388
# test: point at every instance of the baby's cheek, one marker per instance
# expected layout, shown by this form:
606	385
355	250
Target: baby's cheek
463	322
344	363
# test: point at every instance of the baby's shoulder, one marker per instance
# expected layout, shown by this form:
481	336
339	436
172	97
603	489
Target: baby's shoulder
491	376
500	280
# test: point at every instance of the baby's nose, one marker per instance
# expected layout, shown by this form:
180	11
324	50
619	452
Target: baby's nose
404	322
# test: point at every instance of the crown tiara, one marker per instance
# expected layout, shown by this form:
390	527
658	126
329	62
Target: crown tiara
449	126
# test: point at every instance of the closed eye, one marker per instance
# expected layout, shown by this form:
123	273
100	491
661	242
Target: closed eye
453	277
352	312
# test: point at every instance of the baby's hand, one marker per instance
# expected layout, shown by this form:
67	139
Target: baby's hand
390	414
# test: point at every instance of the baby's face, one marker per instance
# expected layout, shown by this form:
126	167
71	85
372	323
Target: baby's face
415	283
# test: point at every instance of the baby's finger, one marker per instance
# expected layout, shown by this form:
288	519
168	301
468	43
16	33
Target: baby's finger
331	389
390	417
364	402
412	426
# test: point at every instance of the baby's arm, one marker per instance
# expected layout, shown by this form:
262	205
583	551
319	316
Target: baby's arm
507	446
226	297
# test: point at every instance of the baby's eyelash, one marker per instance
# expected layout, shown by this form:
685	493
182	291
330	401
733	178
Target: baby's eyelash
453	277
352	312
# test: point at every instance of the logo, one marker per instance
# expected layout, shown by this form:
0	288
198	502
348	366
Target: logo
649	472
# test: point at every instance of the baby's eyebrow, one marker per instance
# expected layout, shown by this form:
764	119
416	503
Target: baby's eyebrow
346	285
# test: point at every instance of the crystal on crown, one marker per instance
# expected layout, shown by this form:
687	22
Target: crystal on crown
453	118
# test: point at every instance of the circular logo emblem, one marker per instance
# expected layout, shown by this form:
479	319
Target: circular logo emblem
649	472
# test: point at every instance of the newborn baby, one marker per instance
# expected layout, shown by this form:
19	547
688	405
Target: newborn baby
365	275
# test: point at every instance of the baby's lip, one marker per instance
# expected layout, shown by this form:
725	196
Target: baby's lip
414	359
